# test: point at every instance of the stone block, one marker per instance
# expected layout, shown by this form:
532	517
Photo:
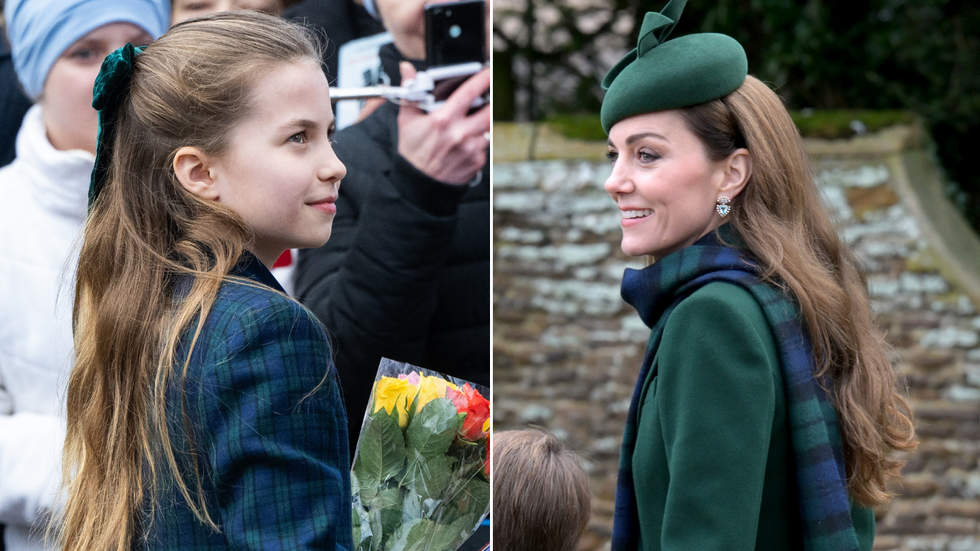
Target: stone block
939	411
917	486
511	142
959	508
906	517
957	526
886	543
865	199
965	544
932	359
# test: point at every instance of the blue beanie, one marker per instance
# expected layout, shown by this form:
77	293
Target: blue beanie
41	30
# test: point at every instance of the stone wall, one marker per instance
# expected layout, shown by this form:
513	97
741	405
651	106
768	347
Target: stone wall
567	349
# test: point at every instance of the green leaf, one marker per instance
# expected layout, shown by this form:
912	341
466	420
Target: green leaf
433	429
474	496
456	533
388	509
362	528
399	541
412	507
381	454
427	477
361	520
425	535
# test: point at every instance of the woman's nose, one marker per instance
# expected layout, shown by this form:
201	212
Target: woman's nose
618	181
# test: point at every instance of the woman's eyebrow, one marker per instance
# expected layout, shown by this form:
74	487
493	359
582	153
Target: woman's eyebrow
637	137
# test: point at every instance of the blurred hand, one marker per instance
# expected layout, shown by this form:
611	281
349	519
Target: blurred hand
447	144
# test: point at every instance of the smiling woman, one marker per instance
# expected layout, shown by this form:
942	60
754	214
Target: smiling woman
765	410
665	183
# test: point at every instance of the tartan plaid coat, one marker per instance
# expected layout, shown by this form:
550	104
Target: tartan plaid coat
273	459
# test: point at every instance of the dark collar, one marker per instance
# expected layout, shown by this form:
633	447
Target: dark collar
653	289
250	267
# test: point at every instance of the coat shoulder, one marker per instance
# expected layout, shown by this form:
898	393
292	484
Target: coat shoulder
245	312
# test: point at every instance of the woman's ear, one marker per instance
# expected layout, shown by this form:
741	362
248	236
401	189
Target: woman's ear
194	171
738	170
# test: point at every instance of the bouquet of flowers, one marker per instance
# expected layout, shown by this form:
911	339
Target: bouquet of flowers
420	477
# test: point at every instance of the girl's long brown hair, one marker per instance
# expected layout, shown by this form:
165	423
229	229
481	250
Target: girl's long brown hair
145	232
780	216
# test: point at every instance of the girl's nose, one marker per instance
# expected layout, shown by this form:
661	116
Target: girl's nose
333	169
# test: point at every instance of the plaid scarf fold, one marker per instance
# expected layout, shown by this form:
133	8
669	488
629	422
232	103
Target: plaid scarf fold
821	481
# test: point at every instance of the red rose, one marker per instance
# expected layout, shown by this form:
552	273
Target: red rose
476	408
486	459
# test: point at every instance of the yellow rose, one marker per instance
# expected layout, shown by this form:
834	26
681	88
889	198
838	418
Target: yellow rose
431	388
394	395
486	425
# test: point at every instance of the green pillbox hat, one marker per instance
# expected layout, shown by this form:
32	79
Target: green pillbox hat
659	75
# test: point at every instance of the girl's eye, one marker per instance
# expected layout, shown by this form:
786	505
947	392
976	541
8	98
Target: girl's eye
299	137
611	156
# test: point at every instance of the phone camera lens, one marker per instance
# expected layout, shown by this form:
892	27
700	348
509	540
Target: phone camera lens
455	31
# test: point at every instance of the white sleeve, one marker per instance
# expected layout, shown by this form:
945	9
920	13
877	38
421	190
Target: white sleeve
6	403
30	467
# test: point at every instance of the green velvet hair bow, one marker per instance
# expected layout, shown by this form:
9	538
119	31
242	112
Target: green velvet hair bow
111	86
659	74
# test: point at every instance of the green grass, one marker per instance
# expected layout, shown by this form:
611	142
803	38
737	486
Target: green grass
812	124
838	124
578	127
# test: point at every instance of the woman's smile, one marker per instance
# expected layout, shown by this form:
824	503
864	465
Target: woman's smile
663	182
633	217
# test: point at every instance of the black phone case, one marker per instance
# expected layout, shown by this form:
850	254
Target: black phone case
455	33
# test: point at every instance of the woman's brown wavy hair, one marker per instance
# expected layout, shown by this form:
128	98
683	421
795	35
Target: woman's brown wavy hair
780	217
189	88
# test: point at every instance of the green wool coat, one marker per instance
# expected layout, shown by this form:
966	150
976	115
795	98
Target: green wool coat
713	463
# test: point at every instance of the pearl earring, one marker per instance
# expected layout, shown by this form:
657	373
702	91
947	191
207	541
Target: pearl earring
722	206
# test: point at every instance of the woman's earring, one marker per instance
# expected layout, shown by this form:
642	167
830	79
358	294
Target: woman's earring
722	206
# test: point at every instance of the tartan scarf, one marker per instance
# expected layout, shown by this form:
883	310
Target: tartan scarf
654	291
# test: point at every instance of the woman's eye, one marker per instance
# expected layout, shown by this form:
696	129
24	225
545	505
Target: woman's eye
647	156
611	156
299	137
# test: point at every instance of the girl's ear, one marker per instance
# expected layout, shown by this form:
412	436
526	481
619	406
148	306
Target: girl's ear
738	170
194	171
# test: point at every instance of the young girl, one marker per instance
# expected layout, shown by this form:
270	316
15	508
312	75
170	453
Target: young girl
765	413
203	410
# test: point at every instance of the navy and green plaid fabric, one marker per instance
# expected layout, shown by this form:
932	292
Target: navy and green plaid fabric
273	460
815	434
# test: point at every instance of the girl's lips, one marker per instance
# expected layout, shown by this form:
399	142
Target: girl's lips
326	206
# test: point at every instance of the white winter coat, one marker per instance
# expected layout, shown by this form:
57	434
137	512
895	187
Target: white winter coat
43	196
